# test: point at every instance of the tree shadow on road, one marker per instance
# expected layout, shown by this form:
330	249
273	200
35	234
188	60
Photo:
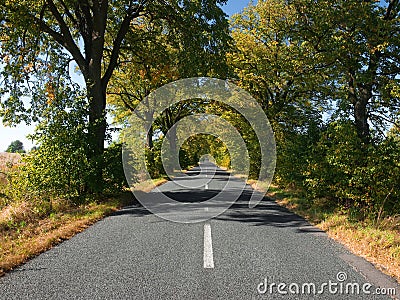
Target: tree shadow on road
267	213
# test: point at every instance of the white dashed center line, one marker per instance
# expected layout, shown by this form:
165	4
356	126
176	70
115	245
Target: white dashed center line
208	250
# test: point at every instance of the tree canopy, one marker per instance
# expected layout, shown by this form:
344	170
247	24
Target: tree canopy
16	147
326	73
42	41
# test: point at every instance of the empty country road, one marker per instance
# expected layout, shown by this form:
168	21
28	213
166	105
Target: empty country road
264	252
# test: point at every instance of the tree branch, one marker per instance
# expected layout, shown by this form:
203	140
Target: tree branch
131	14
391	7
68	13
65	38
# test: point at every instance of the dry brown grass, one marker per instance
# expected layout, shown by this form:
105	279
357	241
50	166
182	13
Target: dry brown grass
377	243
8	161
380	246
30	228
147	186
25	234
9	158
14	214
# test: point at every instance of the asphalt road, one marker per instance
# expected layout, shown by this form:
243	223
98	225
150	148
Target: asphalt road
260	253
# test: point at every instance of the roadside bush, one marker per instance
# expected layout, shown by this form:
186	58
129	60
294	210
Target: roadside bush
59	166
295	142
58	169
113	173
153	160
384	174
363	179
334	162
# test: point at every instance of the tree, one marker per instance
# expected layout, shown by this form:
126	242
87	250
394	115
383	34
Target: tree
271	61
16	147
202	144
160	61
285	73
39	40
361	40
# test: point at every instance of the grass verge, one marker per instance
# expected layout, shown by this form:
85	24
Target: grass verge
26	232
148	185
379	243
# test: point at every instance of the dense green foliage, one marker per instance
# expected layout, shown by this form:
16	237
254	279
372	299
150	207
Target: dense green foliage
58	167
39	40
200	145
16	147
326	73
361	178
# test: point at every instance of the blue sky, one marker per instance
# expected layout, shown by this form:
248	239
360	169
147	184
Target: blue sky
235	6
20	132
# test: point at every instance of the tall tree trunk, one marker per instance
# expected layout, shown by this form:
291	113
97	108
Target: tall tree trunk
172	140
150	154
149	138
172	148
359	101
96	92
96	136
149	120
361	119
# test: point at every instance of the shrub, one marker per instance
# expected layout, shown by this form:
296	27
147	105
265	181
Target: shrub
113	173
363	178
